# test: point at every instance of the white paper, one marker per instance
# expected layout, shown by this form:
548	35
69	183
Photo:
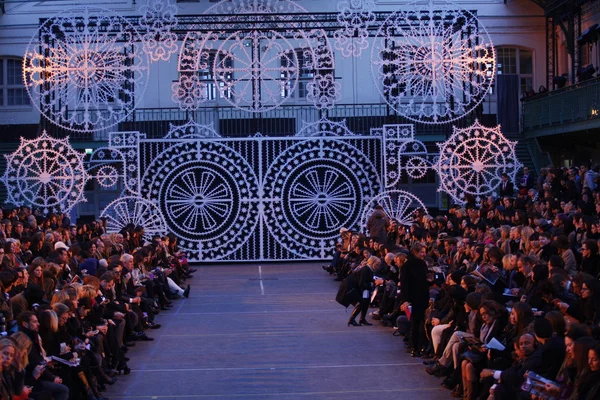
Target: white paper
365	294
495	344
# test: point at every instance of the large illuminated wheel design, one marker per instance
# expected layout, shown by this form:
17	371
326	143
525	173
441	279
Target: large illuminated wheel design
136	211
204	190
46	173
472	161
316	188
85	69
399	205
433	63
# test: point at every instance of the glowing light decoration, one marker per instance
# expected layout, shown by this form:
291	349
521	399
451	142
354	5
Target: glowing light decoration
255	69
137	211
433	63
191	130
355	16
45	173
107	176
205	190
397	204
85	69
472	160
324	127
316	188
158	20
403	153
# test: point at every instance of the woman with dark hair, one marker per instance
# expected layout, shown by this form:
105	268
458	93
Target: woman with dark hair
36	272
588	309
589	385
557	320
534	296
577	341
494	321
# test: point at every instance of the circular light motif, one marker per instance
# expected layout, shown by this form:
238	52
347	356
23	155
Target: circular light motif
204	190
472	161
433	63
46	173
85	69
399	205
316	187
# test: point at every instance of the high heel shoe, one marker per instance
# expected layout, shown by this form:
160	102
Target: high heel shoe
123	368
353	323
364	322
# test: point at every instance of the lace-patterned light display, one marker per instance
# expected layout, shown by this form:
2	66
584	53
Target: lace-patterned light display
403	154
399	205
433	63
255	198
317	186
355	16
472	160
84	69
158	20
45	173
137	211
257	67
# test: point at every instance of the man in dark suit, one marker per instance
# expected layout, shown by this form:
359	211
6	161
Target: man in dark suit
507	188
526	181
414	293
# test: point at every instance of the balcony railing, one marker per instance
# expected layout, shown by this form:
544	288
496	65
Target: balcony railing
286	120
576	103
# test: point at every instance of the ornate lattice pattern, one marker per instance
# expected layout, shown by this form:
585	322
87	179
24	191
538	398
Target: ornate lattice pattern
317	188
136	211
403	153
85	69
472	160
399	205
433	63
204	189
255	70
158	20
45	173
355	16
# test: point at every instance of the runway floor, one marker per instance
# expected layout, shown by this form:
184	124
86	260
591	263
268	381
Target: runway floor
270	331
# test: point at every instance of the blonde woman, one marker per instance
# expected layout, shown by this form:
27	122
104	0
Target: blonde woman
59	297
17	371
526	233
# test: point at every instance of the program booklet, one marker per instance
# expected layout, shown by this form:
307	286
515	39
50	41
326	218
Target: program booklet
486	273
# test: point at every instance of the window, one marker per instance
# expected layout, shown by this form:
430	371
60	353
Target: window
515	61
305	75
220	71
12	89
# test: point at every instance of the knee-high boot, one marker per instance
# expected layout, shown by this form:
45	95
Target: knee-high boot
84	381
355	312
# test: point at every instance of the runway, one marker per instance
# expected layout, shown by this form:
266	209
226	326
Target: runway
269	331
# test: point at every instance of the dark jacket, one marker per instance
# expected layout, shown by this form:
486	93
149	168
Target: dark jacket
414	287
377	225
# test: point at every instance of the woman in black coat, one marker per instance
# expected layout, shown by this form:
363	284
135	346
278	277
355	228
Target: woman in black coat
364	276
414	292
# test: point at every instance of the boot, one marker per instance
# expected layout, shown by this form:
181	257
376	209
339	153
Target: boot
96	389
355	312
105	378
84	381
